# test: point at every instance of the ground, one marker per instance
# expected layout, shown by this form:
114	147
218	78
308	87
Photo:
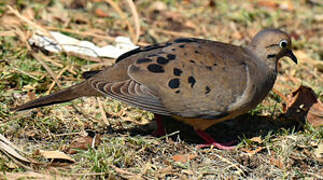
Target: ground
270	145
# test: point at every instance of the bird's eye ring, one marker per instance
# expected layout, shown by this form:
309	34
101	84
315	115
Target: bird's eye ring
283	43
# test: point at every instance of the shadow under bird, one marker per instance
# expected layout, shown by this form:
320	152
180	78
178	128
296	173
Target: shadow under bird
196	81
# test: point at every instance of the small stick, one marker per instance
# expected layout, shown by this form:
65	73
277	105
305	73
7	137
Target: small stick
135	19
284	98
39	57
123	16
103	113
54	82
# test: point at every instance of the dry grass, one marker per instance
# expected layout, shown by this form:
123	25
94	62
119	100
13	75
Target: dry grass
271	147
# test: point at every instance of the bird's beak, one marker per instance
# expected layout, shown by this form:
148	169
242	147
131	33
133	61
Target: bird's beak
291	55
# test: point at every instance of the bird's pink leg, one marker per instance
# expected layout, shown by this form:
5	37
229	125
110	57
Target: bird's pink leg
210	141
160	131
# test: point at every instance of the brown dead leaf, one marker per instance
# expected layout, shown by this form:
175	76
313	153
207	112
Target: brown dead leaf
55	156
299	103
183	158
83	143
276	162
315	115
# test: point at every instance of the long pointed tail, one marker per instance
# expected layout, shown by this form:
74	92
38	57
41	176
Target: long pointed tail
73	92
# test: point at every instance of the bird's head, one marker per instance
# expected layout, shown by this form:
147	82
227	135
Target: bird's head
272	44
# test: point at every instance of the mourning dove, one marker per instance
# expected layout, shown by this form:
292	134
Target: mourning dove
199	82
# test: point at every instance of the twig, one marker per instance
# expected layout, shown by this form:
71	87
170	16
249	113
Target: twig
232	164
123	16
23	72
84	174
47	59
126	173
168	135
24	39
26	20
38	57
103	113
67	134
314	175
135	20
284	98
54	82
294	80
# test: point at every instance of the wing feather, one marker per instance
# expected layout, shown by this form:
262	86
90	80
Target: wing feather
132	93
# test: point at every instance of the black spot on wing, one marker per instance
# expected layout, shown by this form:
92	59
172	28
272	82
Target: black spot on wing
192	81
207	90
192	61
197	52
177	72
162	60
209	68
174	83
143	60
178	91
171	57
155	68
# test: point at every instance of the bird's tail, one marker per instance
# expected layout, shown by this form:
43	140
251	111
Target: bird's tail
73	92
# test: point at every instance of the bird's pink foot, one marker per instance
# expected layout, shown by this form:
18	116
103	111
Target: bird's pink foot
160	131
211	142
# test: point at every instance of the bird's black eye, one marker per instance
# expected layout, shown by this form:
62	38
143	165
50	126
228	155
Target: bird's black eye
283	43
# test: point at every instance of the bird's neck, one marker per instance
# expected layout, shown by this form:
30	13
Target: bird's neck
269	58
